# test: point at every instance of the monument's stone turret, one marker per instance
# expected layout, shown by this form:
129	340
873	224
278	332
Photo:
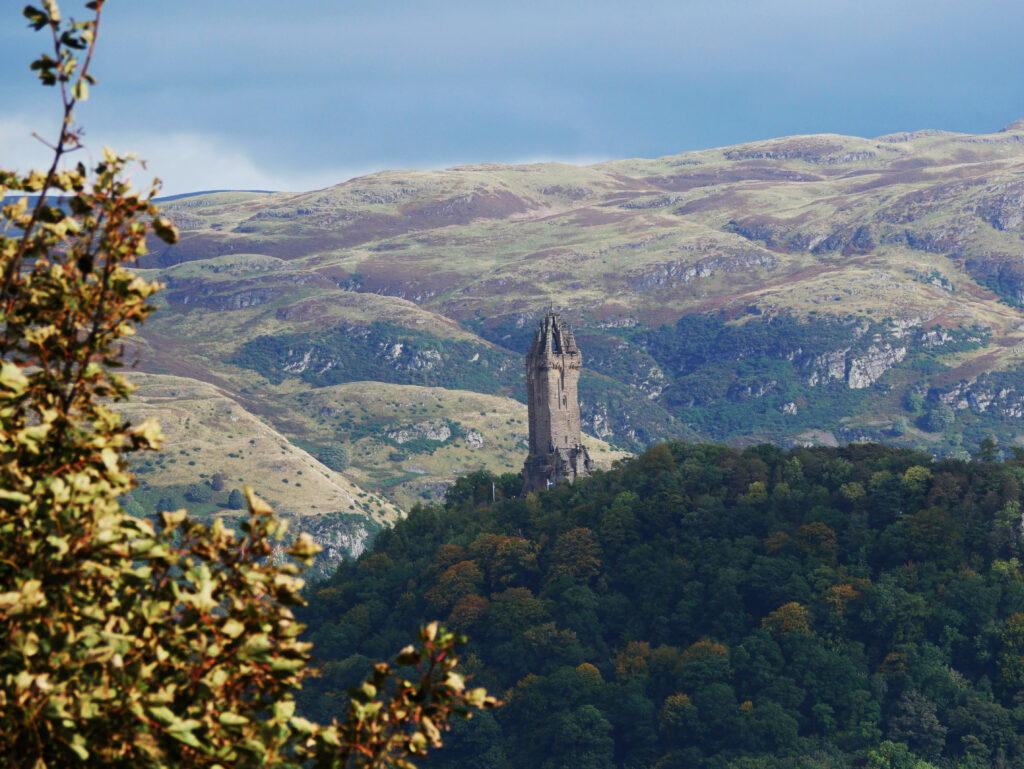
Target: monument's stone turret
553	365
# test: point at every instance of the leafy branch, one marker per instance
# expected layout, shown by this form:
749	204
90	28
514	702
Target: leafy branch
129	643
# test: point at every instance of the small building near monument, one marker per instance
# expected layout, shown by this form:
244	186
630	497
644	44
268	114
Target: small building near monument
557	453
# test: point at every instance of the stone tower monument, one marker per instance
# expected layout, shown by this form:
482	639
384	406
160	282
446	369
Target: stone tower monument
553	365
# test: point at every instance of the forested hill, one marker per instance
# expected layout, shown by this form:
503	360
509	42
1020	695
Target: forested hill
703	606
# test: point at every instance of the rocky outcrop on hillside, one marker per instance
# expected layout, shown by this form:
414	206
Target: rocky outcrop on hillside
238	294
827	367
986	394
681	272
849	240
745	391
1004	272
858	370
1003	205
628	363
621	421
779	234
234	301
396	353
859	367
341	536
809	149
435	430
597	421
865	370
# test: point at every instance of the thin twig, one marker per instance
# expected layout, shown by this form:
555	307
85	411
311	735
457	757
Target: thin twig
66	135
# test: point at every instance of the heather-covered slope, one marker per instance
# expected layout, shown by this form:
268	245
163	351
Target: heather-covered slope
805	289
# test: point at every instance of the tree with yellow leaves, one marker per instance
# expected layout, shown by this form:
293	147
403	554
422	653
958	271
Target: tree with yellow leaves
129	643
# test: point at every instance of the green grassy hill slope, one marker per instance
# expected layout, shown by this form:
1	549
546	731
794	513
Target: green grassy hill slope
213	446
803	289
412	441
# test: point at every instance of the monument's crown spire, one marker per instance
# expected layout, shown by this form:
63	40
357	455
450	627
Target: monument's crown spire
554	336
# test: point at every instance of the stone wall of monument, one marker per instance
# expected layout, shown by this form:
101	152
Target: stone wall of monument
556	440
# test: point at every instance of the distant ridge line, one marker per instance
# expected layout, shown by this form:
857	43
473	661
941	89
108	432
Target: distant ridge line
180	195
10	197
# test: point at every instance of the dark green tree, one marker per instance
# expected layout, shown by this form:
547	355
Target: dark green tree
988	450
939	417
915	723
335	457
198	492
236	501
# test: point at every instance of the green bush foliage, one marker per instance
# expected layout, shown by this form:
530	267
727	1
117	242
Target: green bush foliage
335	457
939	417
198	492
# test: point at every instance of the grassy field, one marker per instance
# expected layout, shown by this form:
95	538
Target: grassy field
207	433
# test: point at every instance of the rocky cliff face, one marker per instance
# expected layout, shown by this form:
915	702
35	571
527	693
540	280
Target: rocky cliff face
319	360
237	294
340	536
429	431
857	371
984	395
682	272
866	370
859	367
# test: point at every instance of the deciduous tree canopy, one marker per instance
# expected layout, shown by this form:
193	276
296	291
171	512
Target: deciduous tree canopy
702	606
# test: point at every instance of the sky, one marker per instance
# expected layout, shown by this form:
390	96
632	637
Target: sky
303	94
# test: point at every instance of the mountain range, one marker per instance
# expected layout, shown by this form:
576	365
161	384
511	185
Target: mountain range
805	290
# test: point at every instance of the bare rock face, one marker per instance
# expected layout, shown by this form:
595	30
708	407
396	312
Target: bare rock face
340	536
866	370
828	367
202	297
745	391
858	371
983	396
395	353
1003	206
680	272
599	425
431	431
